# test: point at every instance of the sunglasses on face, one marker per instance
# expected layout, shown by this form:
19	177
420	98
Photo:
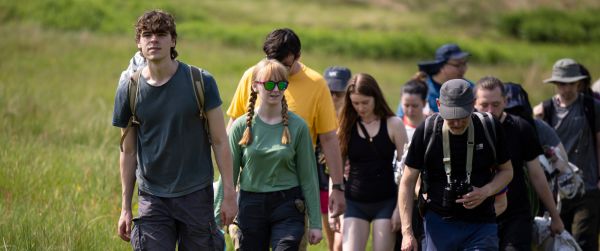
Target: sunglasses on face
270	85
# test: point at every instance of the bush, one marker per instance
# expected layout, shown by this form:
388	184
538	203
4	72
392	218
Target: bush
550	25
362	41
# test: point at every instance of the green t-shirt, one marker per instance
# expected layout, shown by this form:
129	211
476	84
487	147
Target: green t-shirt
271	166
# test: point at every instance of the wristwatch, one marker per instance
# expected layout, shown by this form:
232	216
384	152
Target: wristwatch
339	187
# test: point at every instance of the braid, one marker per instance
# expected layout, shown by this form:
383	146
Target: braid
285	138
247	137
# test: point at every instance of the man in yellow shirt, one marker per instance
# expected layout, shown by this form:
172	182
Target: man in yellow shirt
308	96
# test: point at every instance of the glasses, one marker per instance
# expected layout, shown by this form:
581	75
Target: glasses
458	65
270	85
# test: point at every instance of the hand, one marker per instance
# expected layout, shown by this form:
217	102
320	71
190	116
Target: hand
549	153
124	227
409	243
598	184
229	208
556	226
337	203
315	236
396	221
335	224
474	198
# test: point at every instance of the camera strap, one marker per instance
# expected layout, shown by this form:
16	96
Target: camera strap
446	150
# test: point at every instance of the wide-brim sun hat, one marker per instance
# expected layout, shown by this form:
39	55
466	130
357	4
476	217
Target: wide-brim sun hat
442	55
566	70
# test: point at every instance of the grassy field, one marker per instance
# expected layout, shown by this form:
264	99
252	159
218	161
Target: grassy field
59	176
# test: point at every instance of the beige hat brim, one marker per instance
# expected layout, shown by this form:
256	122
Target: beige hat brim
564	80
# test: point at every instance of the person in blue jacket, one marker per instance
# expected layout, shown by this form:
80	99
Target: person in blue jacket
450	63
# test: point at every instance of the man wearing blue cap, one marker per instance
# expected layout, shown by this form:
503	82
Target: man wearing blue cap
337	79
450	63
460	175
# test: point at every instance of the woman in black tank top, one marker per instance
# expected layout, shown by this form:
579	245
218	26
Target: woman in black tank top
369	134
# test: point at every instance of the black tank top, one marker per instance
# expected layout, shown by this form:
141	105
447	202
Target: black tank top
371	176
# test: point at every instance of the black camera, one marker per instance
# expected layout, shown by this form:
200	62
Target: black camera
455	190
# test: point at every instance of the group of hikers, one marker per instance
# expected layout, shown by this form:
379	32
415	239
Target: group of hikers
460	165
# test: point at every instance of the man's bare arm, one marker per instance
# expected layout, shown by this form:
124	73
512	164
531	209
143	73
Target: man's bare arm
331	149
538	179
220	145
479	194
405	206
127	166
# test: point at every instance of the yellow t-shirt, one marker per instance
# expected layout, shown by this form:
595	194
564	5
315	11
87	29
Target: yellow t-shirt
307	95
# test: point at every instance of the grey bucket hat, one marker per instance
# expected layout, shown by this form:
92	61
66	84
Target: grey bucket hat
456	99
565	70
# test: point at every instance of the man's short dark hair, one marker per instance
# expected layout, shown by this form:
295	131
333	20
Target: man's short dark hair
280	43
157	21
490	83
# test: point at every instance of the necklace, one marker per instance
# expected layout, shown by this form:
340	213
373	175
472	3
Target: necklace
369	122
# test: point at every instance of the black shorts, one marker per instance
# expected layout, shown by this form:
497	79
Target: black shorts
187	221
370	211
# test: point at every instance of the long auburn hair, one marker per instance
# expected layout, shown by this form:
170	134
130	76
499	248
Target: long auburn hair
366	85
269	69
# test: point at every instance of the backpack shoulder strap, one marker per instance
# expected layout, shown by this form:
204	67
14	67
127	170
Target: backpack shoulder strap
428	139
428	134
133	89
198	81
590	115
198	85
487	121
548	111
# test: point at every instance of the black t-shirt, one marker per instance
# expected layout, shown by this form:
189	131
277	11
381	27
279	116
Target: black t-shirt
524	146
483	171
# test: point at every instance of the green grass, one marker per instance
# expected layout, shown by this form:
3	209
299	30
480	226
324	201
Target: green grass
59	176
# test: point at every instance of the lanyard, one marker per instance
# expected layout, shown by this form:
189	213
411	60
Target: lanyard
446	145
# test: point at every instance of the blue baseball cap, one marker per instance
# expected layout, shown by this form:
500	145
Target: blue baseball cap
337	78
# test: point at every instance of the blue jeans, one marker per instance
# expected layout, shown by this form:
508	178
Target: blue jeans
271	219
442	234
187	221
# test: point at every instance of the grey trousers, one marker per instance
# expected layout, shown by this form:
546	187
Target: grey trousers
185	221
